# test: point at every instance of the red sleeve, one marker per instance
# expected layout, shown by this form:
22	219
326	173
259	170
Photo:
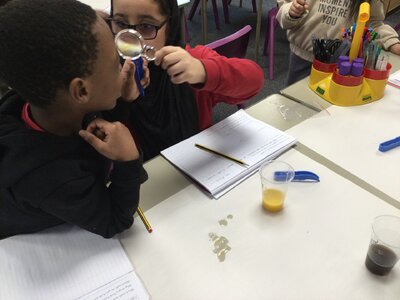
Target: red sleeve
229	80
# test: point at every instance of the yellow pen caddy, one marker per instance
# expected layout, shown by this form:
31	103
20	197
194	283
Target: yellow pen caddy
341	90
349	90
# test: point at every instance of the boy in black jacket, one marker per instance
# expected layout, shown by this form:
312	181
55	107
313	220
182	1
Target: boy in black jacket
59	58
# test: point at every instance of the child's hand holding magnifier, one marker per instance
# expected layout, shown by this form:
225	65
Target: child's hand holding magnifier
132	82
180	65
131	47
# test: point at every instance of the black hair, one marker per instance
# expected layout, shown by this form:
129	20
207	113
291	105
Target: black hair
44	44
169	9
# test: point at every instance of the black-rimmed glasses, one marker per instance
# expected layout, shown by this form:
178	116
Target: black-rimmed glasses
148	31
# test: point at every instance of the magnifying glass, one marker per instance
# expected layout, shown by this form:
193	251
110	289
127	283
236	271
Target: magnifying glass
130	45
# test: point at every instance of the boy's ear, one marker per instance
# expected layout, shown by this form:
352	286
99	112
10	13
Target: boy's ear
79	90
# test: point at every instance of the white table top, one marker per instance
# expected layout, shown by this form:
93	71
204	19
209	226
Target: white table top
350	136
314	249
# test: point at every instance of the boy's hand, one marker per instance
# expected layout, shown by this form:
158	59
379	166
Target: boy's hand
395	49
113	140
180	65
298	8
130	91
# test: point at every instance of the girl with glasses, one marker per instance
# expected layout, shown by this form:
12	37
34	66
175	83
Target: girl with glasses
185	83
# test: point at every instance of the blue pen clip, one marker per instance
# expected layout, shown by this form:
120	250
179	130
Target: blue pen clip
300	176
139	73
389	145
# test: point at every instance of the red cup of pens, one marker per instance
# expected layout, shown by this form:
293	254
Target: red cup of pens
323	67
377	80
320	71
378	74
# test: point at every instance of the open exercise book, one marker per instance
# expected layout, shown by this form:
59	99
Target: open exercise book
239	136
66	262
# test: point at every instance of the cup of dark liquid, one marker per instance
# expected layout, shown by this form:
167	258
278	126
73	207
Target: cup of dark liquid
384	248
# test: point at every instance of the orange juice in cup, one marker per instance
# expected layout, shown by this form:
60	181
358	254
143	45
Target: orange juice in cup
274	187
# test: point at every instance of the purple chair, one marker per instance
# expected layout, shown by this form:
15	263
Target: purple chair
234	45
270	39
397	27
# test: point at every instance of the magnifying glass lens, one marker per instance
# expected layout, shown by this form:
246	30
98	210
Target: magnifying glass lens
128	45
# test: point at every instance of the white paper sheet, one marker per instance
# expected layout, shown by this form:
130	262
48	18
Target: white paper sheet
127	287
350	137
394	79
314	249
65	263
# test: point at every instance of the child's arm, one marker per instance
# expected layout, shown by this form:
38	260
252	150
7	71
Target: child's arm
87	202
180	65
387	36
112	140
395	48
232	79
298	8
79	196
229	80
291	12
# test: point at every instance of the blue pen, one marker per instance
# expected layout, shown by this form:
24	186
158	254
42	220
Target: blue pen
139	73
353	29
389	145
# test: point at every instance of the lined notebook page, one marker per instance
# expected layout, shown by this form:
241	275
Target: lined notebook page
66	263
240	136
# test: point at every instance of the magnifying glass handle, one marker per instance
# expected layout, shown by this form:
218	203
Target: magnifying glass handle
139	74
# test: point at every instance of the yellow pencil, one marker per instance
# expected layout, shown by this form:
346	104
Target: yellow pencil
144	220
236	160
